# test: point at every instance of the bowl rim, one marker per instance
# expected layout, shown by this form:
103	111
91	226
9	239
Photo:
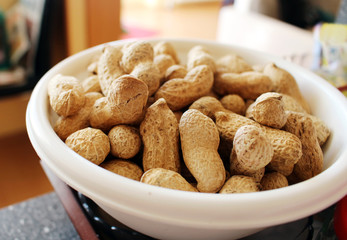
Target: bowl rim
39	129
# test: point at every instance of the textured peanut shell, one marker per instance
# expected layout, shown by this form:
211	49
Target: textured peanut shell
124	103
197	56
268	110
149	73
322	130
64	126
66	95
90	143
166	178
234	103
236	168
208	106
109	68
160	137
239	184
273	180
134	53
175	71
125	141
287	147
284	82
181	92
252	147
91	84
249	85
311	162
166	48
163	62
232	63
124	168
199	143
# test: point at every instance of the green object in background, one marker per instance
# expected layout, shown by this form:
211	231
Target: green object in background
4	46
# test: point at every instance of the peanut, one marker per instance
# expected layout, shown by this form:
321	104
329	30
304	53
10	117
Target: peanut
198	56
181	92
91	84
249	85
124	103
199	143
90	143
273	180
66	95
166	178
232	63
239	184
311	162
125	141
123	168
175	71
64	126
160	137
284	82
234	103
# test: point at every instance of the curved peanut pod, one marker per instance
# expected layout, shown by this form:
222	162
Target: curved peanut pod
166	178
287	147
240	184
160	137
249	85
284	82
311	162
197	56
180	92
148	73
66	95
136	52
199	143
109	68
124	104
124	168
64	126
232	63
208	106
166	48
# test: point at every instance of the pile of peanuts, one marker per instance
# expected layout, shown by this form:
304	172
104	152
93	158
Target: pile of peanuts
211	125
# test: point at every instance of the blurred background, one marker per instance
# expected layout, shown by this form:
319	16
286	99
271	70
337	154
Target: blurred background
37	34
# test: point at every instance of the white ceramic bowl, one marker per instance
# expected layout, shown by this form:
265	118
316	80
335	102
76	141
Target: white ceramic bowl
171	214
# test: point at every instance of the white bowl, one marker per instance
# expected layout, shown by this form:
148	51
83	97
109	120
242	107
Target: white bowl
171	214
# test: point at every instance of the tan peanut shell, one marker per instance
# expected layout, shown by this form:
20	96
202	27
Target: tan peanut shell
124	103
252	147
268	110
124	168
163	62
164	47
284	82
166	178
91	84
148	73
287	147
234	103
273	180
64	126
175	71
249	85
199	55
236	168
208	106
160	137
181	92
66	95
134	53
90	143
311	162
109	68
239	184
232	63
199	143
125	141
